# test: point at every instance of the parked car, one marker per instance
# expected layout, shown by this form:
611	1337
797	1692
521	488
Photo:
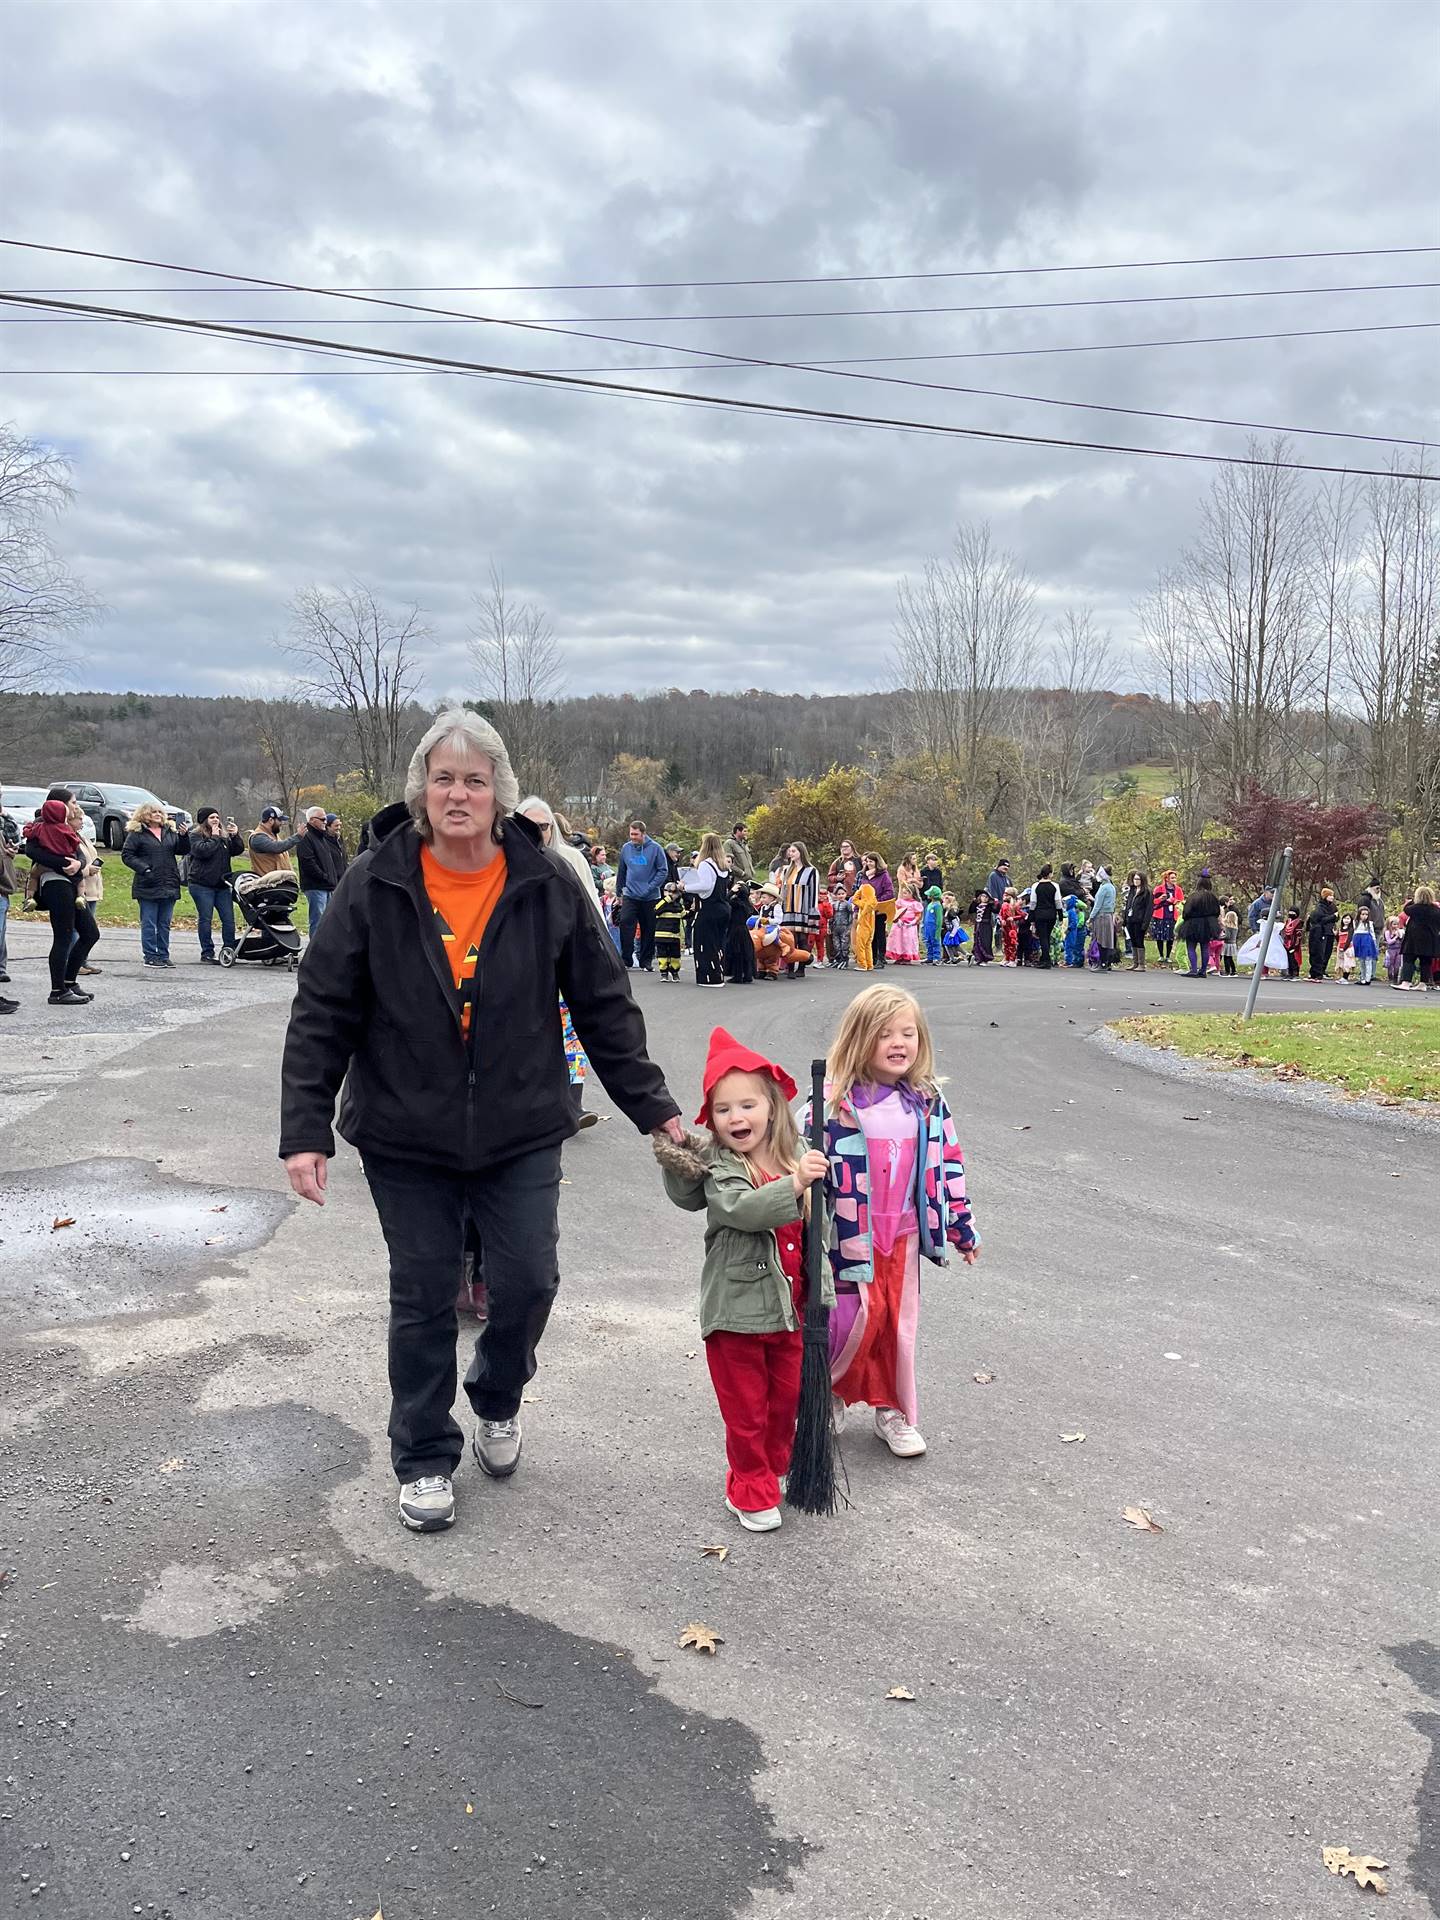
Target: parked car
111	808
22	803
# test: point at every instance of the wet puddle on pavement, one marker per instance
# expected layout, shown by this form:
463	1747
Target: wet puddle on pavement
138	1240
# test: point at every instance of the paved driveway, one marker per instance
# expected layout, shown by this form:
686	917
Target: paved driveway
234	1687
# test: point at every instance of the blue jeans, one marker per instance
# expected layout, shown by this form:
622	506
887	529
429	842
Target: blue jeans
4	923
155	928
210	900
316	899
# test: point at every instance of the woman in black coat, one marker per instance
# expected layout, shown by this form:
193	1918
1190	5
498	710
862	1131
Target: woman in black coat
1200	926
1320	931
151	851
1420	952
1045	910
1139	909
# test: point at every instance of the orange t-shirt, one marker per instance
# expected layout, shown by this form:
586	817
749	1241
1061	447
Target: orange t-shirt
463	904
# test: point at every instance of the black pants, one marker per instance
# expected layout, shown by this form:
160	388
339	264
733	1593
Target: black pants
1043	930
1230	964
426	1213
637	914
711	932
1321	949
73	931
877	944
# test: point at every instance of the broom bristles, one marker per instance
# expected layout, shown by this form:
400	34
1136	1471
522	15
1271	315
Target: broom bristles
811	1485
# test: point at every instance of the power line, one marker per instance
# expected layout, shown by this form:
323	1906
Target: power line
773	409
561	320
809	363
710	355
788	280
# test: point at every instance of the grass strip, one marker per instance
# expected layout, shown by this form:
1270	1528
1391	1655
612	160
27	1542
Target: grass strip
1392	1052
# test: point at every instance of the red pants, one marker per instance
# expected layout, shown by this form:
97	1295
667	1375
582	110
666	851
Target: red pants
757	1382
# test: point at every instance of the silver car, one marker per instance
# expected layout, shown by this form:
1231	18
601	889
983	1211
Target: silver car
112	807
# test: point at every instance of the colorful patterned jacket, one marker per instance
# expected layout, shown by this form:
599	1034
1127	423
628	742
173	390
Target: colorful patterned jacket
941	1205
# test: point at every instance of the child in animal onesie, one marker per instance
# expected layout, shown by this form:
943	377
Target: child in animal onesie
862	936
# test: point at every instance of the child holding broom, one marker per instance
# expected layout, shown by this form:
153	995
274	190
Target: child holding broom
752	1178
897	1189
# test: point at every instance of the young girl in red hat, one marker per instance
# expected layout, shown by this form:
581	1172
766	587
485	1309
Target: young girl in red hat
752	1178
897	1192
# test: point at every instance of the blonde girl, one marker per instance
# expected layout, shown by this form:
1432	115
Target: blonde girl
751	1176
897	1190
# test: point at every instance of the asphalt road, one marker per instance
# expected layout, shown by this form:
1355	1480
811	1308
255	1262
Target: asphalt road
233	1686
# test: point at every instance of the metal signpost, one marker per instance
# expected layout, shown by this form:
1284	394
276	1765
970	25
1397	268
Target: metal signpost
1265	932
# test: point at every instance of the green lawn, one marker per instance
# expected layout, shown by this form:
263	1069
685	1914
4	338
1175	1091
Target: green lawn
1154	781
1393	1051
117	909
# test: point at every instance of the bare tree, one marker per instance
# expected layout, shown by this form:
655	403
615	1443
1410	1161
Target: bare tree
1064	719
1177	678
284	729
353	653
520	671
40	600
964	633
1331	586
1245	588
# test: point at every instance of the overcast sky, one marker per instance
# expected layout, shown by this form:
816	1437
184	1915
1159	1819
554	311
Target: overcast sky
448	145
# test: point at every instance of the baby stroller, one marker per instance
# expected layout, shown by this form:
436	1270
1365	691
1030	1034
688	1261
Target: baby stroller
265	901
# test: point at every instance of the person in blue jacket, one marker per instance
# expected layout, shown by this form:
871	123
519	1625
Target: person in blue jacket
640	876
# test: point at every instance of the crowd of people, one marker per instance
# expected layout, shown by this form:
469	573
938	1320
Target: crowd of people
63	878
741	922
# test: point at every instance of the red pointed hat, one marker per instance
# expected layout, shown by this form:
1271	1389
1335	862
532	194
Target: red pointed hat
726	1055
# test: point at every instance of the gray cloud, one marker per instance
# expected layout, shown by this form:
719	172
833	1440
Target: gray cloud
443	147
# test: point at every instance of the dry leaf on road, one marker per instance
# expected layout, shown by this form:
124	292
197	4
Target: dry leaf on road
469	1806
220	1209
1067	1438
1140	1517
704	1639
62	1220
172	1465
899	1693
714	1553
1363	1868
983	1379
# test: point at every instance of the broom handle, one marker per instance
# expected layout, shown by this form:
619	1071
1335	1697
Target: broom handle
817	1208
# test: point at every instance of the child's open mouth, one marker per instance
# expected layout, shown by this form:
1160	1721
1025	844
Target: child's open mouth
741	1134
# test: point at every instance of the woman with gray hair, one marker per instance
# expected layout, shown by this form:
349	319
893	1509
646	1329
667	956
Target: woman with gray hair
432	991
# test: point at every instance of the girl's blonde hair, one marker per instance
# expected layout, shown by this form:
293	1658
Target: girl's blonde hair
712	847
861	1025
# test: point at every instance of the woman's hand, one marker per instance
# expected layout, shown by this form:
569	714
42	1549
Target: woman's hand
308	1173
72	867
813	1166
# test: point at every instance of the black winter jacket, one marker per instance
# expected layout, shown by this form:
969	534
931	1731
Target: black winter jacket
210	857
376	1007
153	862
1201	923
320	860
1422	930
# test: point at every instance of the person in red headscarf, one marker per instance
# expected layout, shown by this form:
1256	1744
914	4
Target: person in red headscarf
752	1178
54	850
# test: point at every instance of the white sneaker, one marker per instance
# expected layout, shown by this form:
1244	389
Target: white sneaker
838	1411
497	1447
895	1430
765	1521
427	1504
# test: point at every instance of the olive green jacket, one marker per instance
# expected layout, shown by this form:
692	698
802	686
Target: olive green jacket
742	1286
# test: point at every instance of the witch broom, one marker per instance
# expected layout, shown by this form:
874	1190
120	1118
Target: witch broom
811	1485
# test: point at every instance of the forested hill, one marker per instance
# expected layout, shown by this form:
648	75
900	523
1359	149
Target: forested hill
726	745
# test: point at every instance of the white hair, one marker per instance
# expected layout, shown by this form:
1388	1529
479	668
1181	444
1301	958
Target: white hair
459	727
532	803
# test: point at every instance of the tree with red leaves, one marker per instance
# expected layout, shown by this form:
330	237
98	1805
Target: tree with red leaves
1324	840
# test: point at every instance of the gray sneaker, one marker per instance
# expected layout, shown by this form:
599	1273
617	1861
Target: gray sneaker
427	1504
497	1447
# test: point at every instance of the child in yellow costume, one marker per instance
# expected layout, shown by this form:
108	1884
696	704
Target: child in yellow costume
862	937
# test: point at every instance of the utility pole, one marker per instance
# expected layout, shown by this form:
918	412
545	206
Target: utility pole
1271	917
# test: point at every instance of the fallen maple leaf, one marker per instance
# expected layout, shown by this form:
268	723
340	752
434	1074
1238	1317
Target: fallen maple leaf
704	1639
219	1209
715	1553
1363	1868
62	1220
1140	1517
899	1693
983	1379
1066	1438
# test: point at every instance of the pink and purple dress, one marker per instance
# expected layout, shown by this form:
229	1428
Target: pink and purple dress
872	1329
